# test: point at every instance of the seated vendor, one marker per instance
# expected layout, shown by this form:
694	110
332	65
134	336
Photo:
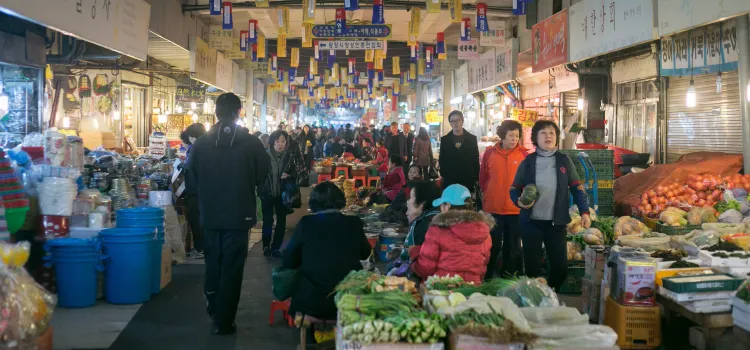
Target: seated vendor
368	152
414	174
395	179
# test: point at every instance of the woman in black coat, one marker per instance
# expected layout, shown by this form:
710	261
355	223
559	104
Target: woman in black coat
326	246
307	141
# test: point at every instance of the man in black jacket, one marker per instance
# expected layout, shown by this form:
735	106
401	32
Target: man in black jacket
227	164
395	142
409	144
459	155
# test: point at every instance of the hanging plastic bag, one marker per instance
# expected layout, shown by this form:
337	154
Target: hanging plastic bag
285	282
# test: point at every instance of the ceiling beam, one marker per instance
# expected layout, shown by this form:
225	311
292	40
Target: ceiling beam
405	5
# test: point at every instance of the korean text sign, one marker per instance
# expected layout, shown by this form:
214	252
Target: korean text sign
707	49
549	42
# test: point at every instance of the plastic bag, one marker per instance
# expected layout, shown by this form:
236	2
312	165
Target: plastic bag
485	304
576	336
627	225
647	244
529	292
285	282
672	218
593	236
554	316
725	228
574	251
173	234
573	211
731	216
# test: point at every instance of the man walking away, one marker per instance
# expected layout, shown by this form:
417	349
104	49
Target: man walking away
227	164
409	144
459	155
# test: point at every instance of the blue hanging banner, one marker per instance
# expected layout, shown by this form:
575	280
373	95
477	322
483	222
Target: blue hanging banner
380	77
519	7
304	82
215	7
355	78
340	22
482	25
331	58
401	79
378	14
280	75
226	16
369	86
414	52
252	31
322	79
466	29
254	53
370	71
243	40
311	91
292	73
311	77
351	5
428	56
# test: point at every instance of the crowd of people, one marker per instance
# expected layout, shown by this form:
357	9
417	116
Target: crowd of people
448	233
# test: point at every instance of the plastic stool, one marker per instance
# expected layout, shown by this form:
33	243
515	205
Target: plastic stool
345	169
373	181
324	177
361	178
282	306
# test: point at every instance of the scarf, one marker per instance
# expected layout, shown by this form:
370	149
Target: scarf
276	170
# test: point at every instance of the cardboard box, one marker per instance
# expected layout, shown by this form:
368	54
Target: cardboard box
590	295
166	265
603	296
636	282
468	342
595	263
94	139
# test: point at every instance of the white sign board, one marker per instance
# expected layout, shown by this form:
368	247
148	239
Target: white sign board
202	61
223	72
219	38
601	26
495	36
239	77
461	81
351	45
506	62
634	68
119	25
468	49
482	71
678	15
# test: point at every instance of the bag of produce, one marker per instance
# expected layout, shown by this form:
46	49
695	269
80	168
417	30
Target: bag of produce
529	195
593	236
651	244
575	225
530	292
731	216
673	218
573	211
724	228
627	225
574	251
576	336
285	282
553	316
486	304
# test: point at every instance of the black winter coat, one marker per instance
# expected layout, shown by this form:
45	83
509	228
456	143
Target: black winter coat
292	164
226	165
325	247
459	166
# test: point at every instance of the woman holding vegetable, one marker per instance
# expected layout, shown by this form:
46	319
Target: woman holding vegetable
458	241
545	177
498	168
325	247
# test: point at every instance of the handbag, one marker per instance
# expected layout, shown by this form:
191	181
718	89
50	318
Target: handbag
285	282
291	197
432	172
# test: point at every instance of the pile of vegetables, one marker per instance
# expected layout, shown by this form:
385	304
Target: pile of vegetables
701	215
697	190
356	282
416	328
724	246
442	304
627	225
492	326
669	254
674	217
606	227
444	282
380	305
721	207
681	264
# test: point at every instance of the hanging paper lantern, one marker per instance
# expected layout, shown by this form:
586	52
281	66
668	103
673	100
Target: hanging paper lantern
482	25
322	80
311	77
378	14
396	65
226	18
316	45
369	86
440	44
352	62
331	58
428	52
215	7
243	40
466	29
340	22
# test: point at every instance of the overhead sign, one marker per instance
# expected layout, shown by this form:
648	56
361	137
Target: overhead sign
219	38
328	31
678	15
549	42
236	52
495	36
506	62
191	93
432	116
202	61
119	25
461	81
600	26
468	49
526	117
351	45
223	72
707	49
482	71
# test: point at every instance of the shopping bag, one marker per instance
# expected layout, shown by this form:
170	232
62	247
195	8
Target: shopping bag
291	196
285	282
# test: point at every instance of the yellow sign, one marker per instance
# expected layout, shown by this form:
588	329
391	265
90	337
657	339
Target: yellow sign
327	77
313	66
261	46
421	68
415	20
412	71
281	45
433	6
307	35
369	55
236	53
411	40
274	86
261	3
295	57
335	72
526	117
283	18
219	38
397	65
380	54
455	8
396	88
432	116
378	63
308	11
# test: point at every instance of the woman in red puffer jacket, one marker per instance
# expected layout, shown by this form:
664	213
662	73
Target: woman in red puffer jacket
458	241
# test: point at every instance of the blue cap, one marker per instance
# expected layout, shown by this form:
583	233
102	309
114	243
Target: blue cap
453	195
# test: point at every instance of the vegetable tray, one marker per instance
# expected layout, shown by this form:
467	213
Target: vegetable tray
675	230
709	259
702	283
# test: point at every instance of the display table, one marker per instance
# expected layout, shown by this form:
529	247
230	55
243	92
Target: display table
712	325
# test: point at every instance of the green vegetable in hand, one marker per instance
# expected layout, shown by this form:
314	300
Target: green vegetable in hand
529	195
606	224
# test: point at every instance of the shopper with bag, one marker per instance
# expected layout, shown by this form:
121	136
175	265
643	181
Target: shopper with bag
279	193
225	167
189	136
423	153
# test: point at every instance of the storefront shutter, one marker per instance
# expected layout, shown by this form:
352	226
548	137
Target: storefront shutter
714	124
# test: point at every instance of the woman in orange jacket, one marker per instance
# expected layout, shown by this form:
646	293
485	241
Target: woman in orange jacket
498	168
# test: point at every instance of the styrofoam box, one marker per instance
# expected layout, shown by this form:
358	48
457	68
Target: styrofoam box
739	272
84	232
741	305
682	297
708	259
741	317
708	306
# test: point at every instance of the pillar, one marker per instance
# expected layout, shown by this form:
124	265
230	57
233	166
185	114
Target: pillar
447	93
419	108
743	47
264	110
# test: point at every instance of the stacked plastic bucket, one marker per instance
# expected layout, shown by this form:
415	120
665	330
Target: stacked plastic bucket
147	218
76	264
128	268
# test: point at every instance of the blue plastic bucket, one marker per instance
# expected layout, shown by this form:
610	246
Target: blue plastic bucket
156	266
140	213
129	265
76	280
159	222
384	245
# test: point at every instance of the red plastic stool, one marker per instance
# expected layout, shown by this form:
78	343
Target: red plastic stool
362	180
324	177
344	169
282	306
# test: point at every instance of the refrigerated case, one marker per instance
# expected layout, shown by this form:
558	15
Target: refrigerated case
20	103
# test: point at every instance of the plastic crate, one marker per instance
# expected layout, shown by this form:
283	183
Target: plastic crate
592	153
606	210
573	283
602	173
650	223
637	327
675	230
678	284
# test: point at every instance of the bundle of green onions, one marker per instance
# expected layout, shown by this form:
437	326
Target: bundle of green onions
419	327
356	282
382	304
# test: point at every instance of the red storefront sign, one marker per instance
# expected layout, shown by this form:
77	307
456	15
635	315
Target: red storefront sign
549	42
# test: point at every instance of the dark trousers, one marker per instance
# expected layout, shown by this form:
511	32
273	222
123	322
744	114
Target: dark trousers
506	239
273	238
194	220
225	256
536	233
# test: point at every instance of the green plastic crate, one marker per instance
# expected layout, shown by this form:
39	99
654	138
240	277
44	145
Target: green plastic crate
606	210
683	284
592	153
675	230
573	283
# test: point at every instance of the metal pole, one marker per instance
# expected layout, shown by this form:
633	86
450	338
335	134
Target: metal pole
743	46
419	113
264	110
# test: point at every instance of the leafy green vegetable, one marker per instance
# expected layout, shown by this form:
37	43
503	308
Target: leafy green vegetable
606	224
724	206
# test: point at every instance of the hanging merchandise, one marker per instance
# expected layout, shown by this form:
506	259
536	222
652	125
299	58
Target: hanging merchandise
261	3
84	86
261	47
378	14
412	72
369	56
307	34
340	22
352	62
283	18
428	51
243	40
482	25
331	58
274	62
215	7
295	57
433	6
252	29
351	5
316	45
308	11
441	46
226	17
397	65
101	84
415	21
378	64
466	29
281	45
455	8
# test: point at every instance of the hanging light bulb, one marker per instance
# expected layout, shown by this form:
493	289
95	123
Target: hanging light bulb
162	118
690	97
580	103
719	83
66	123
193	105
178	109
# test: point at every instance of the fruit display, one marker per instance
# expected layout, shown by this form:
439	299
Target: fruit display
697	190
349	193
